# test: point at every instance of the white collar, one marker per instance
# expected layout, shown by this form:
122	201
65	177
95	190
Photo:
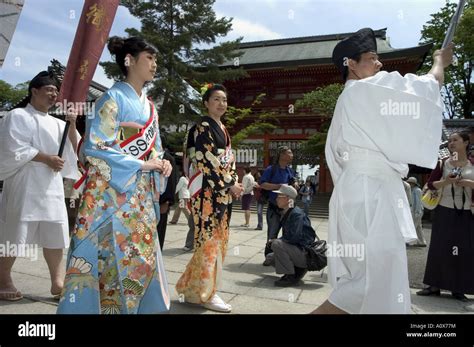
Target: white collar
142	97
32	109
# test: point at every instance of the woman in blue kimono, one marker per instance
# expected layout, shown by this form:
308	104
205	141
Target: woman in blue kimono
114	263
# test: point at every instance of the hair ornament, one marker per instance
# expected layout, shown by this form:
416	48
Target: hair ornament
206	87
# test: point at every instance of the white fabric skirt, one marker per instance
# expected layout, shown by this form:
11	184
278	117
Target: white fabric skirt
367	213
44	234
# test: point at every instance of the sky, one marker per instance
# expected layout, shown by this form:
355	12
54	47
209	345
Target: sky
46	28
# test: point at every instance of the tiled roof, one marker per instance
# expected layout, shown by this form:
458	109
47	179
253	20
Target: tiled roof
311	50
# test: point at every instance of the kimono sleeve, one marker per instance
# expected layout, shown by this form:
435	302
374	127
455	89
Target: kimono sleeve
398	116
214	174
158	152
102	150
15	143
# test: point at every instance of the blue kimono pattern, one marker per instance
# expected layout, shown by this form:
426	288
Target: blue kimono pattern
114	263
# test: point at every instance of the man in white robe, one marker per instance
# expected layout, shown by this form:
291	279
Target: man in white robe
382	122
32	210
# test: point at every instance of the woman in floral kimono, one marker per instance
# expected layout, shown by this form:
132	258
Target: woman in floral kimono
212	182
114	263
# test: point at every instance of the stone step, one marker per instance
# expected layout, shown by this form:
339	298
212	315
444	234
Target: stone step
319	207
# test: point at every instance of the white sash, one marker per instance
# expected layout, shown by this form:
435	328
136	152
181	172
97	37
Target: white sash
140	144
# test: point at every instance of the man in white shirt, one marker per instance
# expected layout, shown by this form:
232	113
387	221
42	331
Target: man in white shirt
382	122
32	211
248	183
183	197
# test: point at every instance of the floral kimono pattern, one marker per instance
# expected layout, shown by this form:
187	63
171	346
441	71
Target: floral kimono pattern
114	263
200	280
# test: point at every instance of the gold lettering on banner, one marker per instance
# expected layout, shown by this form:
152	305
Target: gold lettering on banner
96	16
84	68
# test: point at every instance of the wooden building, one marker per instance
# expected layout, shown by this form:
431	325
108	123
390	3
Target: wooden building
284	70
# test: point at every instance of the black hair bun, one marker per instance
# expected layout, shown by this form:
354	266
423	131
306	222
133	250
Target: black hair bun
115	45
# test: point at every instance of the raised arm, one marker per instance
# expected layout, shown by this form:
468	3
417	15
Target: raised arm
442	58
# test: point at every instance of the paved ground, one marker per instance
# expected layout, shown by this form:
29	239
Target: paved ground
246	284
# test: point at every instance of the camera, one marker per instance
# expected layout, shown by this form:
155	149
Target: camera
456	172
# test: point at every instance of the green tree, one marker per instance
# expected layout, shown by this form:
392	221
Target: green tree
10	96
458	92
322	102
179	29
174	140
261	122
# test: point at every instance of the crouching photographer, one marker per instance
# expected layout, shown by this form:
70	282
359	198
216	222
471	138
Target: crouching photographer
289	252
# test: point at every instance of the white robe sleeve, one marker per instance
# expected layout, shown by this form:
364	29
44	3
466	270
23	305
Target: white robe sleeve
333	162
15	142
70	169
398	116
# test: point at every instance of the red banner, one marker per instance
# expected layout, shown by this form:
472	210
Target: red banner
91	36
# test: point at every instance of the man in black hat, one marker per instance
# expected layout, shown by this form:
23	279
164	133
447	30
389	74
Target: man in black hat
32	212
356	56
382	122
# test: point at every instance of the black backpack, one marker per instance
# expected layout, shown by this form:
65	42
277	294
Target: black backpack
316	259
